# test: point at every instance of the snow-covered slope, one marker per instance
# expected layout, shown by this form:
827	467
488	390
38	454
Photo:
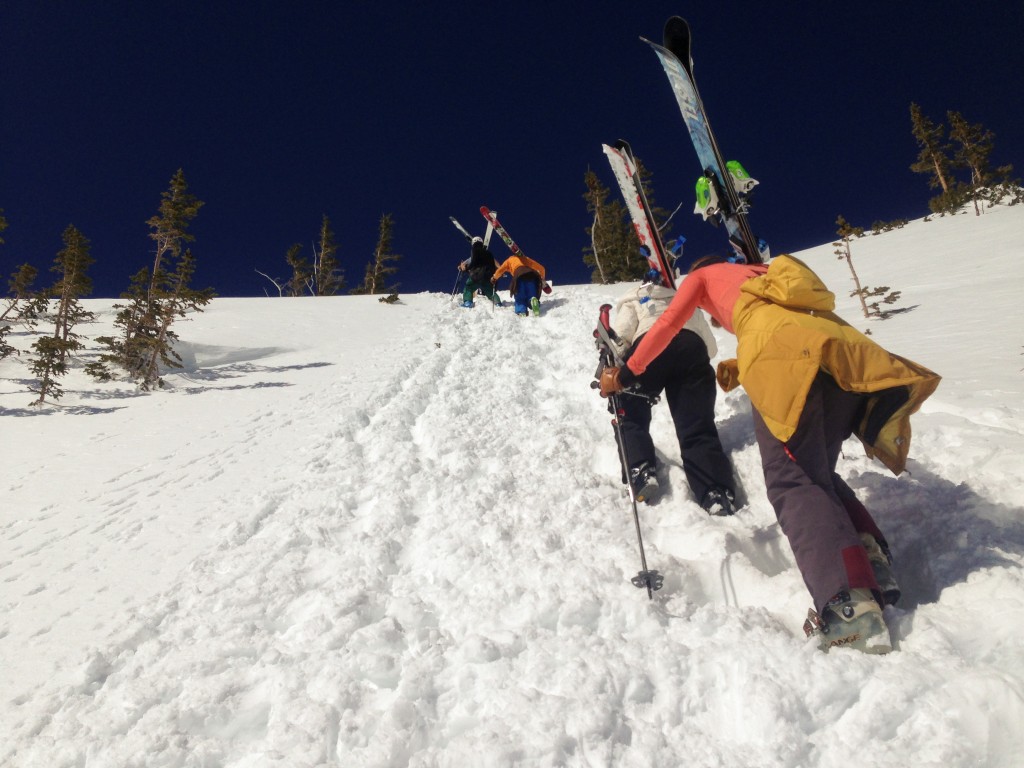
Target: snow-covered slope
361	534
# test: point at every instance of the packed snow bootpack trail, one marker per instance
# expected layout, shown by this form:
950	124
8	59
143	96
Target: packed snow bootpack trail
417	538
440	573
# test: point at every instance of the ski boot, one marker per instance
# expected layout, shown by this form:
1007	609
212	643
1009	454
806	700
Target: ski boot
718	502
468	304
644	481
535	306
851	619
881	564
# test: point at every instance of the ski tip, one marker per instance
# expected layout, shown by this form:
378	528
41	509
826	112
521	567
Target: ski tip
654	45
676	25
676	39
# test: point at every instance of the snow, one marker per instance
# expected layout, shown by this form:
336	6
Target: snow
359	534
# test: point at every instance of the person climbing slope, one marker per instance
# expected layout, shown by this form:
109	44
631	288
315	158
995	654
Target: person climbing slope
813	380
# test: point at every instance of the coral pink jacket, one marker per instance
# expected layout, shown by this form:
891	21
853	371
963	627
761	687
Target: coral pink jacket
714	289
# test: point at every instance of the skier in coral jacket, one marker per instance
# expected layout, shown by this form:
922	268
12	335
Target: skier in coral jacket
813	381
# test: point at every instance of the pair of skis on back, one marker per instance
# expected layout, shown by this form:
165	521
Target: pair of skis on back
721	198
722	186
469	237
493	225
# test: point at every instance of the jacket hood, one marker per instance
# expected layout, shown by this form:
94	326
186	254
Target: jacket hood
792	284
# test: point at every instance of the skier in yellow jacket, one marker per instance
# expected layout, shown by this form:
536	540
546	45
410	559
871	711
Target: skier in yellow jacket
813	381
527	282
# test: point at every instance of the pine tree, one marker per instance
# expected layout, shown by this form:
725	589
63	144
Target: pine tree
614	250
933	158
157	297
20	294
177	209
301	280
974	146
72	264
847	232
5	348
377	271
23	305
328	278
52	352
128	350
175	298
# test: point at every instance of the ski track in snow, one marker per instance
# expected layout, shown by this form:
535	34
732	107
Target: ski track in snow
440	577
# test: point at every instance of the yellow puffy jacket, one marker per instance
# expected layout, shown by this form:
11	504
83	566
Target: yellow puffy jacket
787	332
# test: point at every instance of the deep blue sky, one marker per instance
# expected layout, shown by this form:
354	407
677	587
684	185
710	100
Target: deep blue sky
281	112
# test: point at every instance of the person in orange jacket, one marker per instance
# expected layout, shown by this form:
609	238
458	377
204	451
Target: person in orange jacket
813	380
527	282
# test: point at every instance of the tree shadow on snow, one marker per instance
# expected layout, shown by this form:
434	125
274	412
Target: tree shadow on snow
50	409
243	369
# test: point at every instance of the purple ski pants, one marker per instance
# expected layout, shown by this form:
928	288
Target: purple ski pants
819	513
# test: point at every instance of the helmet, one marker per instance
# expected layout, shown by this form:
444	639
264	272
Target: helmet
478	240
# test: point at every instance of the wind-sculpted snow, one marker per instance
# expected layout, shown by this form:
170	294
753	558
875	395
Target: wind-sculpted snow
357	534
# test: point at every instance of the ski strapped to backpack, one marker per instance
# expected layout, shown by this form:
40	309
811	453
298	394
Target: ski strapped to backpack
722	187
462	229
625	170
492	220
605	339
469	237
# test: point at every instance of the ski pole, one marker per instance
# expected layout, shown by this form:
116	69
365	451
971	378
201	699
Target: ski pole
651	579
458	278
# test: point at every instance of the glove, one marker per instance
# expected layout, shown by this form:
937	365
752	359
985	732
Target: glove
614	380
728	375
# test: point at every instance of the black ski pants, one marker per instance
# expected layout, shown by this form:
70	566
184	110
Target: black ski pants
684	374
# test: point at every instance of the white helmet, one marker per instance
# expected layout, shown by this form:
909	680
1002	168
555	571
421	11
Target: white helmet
477	240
